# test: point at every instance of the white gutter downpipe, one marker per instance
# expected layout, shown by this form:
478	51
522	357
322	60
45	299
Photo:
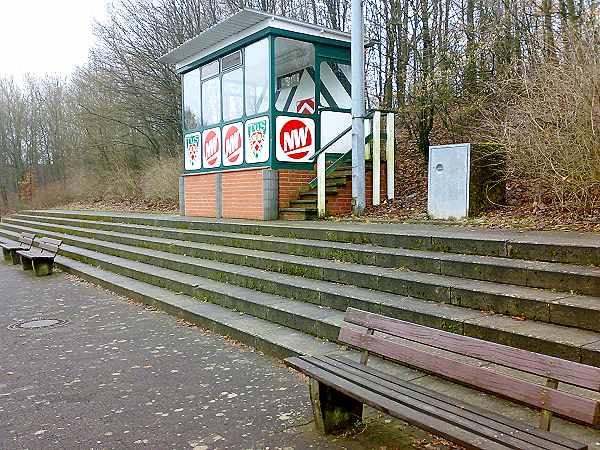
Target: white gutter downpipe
358	109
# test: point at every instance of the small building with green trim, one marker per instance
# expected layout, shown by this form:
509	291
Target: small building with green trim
261	94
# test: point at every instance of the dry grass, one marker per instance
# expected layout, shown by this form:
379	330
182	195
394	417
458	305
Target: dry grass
160	181
551	130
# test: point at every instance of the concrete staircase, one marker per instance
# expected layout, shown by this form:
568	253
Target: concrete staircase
305	206
283	286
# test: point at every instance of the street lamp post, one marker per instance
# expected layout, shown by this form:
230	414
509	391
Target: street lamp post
358	109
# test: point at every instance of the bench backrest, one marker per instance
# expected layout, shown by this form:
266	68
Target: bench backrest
50	245
26	240
385	343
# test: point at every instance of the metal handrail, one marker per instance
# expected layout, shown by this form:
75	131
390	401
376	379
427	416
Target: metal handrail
337	138
369	115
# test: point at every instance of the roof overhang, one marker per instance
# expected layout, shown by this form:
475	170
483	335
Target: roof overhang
235	28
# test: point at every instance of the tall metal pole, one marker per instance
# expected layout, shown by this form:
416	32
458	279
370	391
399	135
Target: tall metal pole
358	109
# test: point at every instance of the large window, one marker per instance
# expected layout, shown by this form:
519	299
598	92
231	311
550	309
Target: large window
233	94
228	89
191	100
257	77
211	101
336	86
294	67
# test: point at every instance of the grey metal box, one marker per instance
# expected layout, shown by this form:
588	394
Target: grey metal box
448	181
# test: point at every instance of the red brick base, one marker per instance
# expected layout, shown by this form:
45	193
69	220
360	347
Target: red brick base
290	182
243	194
200	195
341	203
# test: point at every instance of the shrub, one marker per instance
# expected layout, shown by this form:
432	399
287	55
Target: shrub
160	180
550	128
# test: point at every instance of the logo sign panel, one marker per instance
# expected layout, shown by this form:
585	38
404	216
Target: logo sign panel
193	157
305	106
233	144
257	140
211	148
295	139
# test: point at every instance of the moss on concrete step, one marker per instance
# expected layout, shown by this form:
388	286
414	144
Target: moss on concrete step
571	343
555	247
547	306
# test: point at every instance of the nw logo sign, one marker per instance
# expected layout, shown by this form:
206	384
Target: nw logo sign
296	139
212	148
232	144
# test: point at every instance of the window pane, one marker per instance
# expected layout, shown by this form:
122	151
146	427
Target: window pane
257	77
294	67
233	95
335	85
211	101
210	70
232	60
191	100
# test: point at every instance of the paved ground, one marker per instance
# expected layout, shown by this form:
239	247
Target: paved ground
121	376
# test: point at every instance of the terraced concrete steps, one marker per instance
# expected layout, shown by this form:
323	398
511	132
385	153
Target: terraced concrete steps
283	341
561	277
281	298
224	264
581	249
262	334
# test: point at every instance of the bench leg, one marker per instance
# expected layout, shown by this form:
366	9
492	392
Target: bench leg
16	259
334	412
7	256
42	268
26	263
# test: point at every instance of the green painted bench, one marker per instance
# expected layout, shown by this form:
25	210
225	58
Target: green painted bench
40	259
10	249
339	387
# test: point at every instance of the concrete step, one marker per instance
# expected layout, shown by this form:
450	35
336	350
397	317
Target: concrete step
177	273
264	335
536	304
304	202
312	192
298	213
282	342
538	274
575	248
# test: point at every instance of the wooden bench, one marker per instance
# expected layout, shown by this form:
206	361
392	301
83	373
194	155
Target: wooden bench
339	387
40	259
10	249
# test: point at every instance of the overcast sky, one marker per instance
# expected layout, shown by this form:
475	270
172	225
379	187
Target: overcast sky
46	36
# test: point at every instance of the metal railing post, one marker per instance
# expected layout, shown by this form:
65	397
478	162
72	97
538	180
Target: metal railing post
390	153
376	157
321	200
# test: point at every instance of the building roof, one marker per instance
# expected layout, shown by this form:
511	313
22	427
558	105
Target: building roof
238	26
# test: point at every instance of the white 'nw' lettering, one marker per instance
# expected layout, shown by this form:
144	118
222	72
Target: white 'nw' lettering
295	139
212	147
231	143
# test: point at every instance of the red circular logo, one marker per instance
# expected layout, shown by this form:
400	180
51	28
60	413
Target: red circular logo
295	139
233	144
211	148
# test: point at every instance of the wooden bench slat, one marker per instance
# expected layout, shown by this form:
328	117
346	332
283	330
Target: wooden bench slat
52	248
488	418
582	409
437	407
424	421
33	254
546	366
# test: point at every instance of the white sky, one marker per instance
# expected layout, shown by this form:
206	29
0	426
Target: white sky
46	36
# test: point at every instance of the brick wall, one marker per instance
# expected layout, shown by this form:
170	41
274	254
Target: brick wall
341	203
290	182
243	194
200	195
